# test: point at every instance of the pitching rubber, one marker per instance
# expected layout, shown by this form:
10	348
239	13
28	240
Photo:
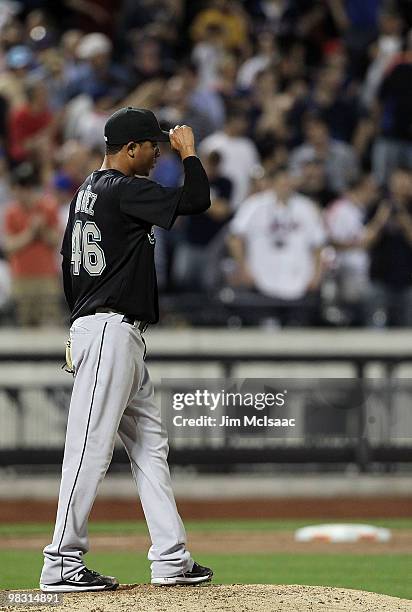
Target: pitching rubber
180	580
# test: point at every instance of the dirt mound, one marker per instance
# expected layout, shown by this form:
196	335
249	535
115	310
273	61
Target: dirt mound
224	598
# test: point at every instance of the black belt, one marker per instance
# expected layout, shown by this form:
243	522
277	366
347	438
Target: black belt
141	325
130	319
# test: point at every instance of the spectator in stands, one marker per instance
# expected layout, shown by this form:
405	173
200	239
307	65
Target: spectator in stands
227	85
205	98
32	235
389	300
335	100
191	257
147	61
68	47
52	73
227	15
320	87
266	54
208	53
313	183
97	71
12	30
393	147
72	164
383	51
178	109
358	25
285	19
31	126
155	18
19	63
351	238
85	119
340	158
61	191
238	153
276	239
270	108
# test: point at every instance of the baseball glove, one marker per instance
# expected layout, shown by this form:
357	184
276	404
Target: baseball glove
68	365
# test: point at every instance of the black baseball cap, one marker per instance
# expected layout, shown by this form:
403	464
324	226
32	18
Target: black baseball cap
133	125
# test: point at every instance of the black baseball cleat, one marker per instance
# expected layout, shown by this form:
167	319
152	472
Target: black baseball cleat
196	575
84	580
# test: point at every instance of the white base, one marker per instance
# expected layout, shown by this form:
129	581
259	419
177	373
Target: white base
342	532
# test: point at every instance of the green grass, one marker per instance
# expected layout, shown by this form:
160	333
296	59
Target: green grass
223	525
389	574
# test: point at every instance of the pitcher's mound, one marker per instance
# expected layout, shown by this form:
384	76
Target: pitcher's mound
225	598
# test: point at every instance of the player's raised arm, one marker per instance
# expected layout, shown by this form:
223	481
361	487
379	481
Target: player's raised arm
196	189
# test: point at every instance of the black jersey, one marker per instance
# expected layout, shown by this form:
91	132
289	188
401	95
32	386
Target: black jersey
110	242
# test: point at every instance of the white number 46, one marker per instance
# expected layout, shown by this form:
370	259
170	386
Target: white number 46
85	249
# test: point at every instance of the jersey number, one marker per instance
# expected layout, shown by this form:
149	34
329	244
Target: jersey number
85	249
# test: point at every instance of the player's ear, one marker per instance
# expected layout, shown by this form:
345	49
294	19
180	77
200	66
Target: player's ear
131	148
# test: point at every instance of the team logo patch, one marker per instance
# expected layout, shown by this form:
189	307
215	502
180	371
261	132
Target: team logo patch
152	237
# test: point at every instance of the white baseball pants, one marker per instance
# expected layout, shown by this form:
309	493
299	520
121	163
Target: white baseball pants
112	394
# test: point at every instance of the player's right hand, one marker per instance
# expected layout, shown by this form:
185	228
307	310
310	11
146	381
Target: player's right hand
182	139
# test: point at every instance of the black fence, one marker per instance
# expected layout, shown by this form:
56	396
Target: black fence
326	449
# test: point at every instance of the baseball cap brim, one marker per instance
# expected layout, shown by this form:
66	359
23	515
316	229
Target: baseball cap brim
160	136
163	136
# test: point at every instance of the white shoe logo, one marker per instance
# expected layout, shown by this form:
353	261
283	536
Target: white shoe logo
77	577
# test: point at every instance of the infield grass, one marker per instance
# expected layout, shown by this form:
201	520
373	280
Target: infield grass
388	574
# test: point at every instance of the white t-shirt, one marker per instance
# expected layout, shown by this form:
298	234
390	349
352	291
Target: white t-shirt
239	161
207	57
345	223
250	68
280	240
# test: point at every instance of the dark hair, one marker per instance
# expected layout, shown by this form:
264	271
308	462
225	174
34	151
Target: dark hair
189	66
313	160
236	116
280	170
314	117
357	181
25	175
273	173
401	168
214	158
113	149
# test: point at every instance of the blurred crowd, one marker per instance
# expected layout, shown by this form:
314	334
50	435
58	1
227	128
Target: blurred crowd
302	115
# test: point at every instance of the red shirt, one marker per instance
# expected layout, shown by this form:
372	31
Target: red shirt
23	125
37	258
